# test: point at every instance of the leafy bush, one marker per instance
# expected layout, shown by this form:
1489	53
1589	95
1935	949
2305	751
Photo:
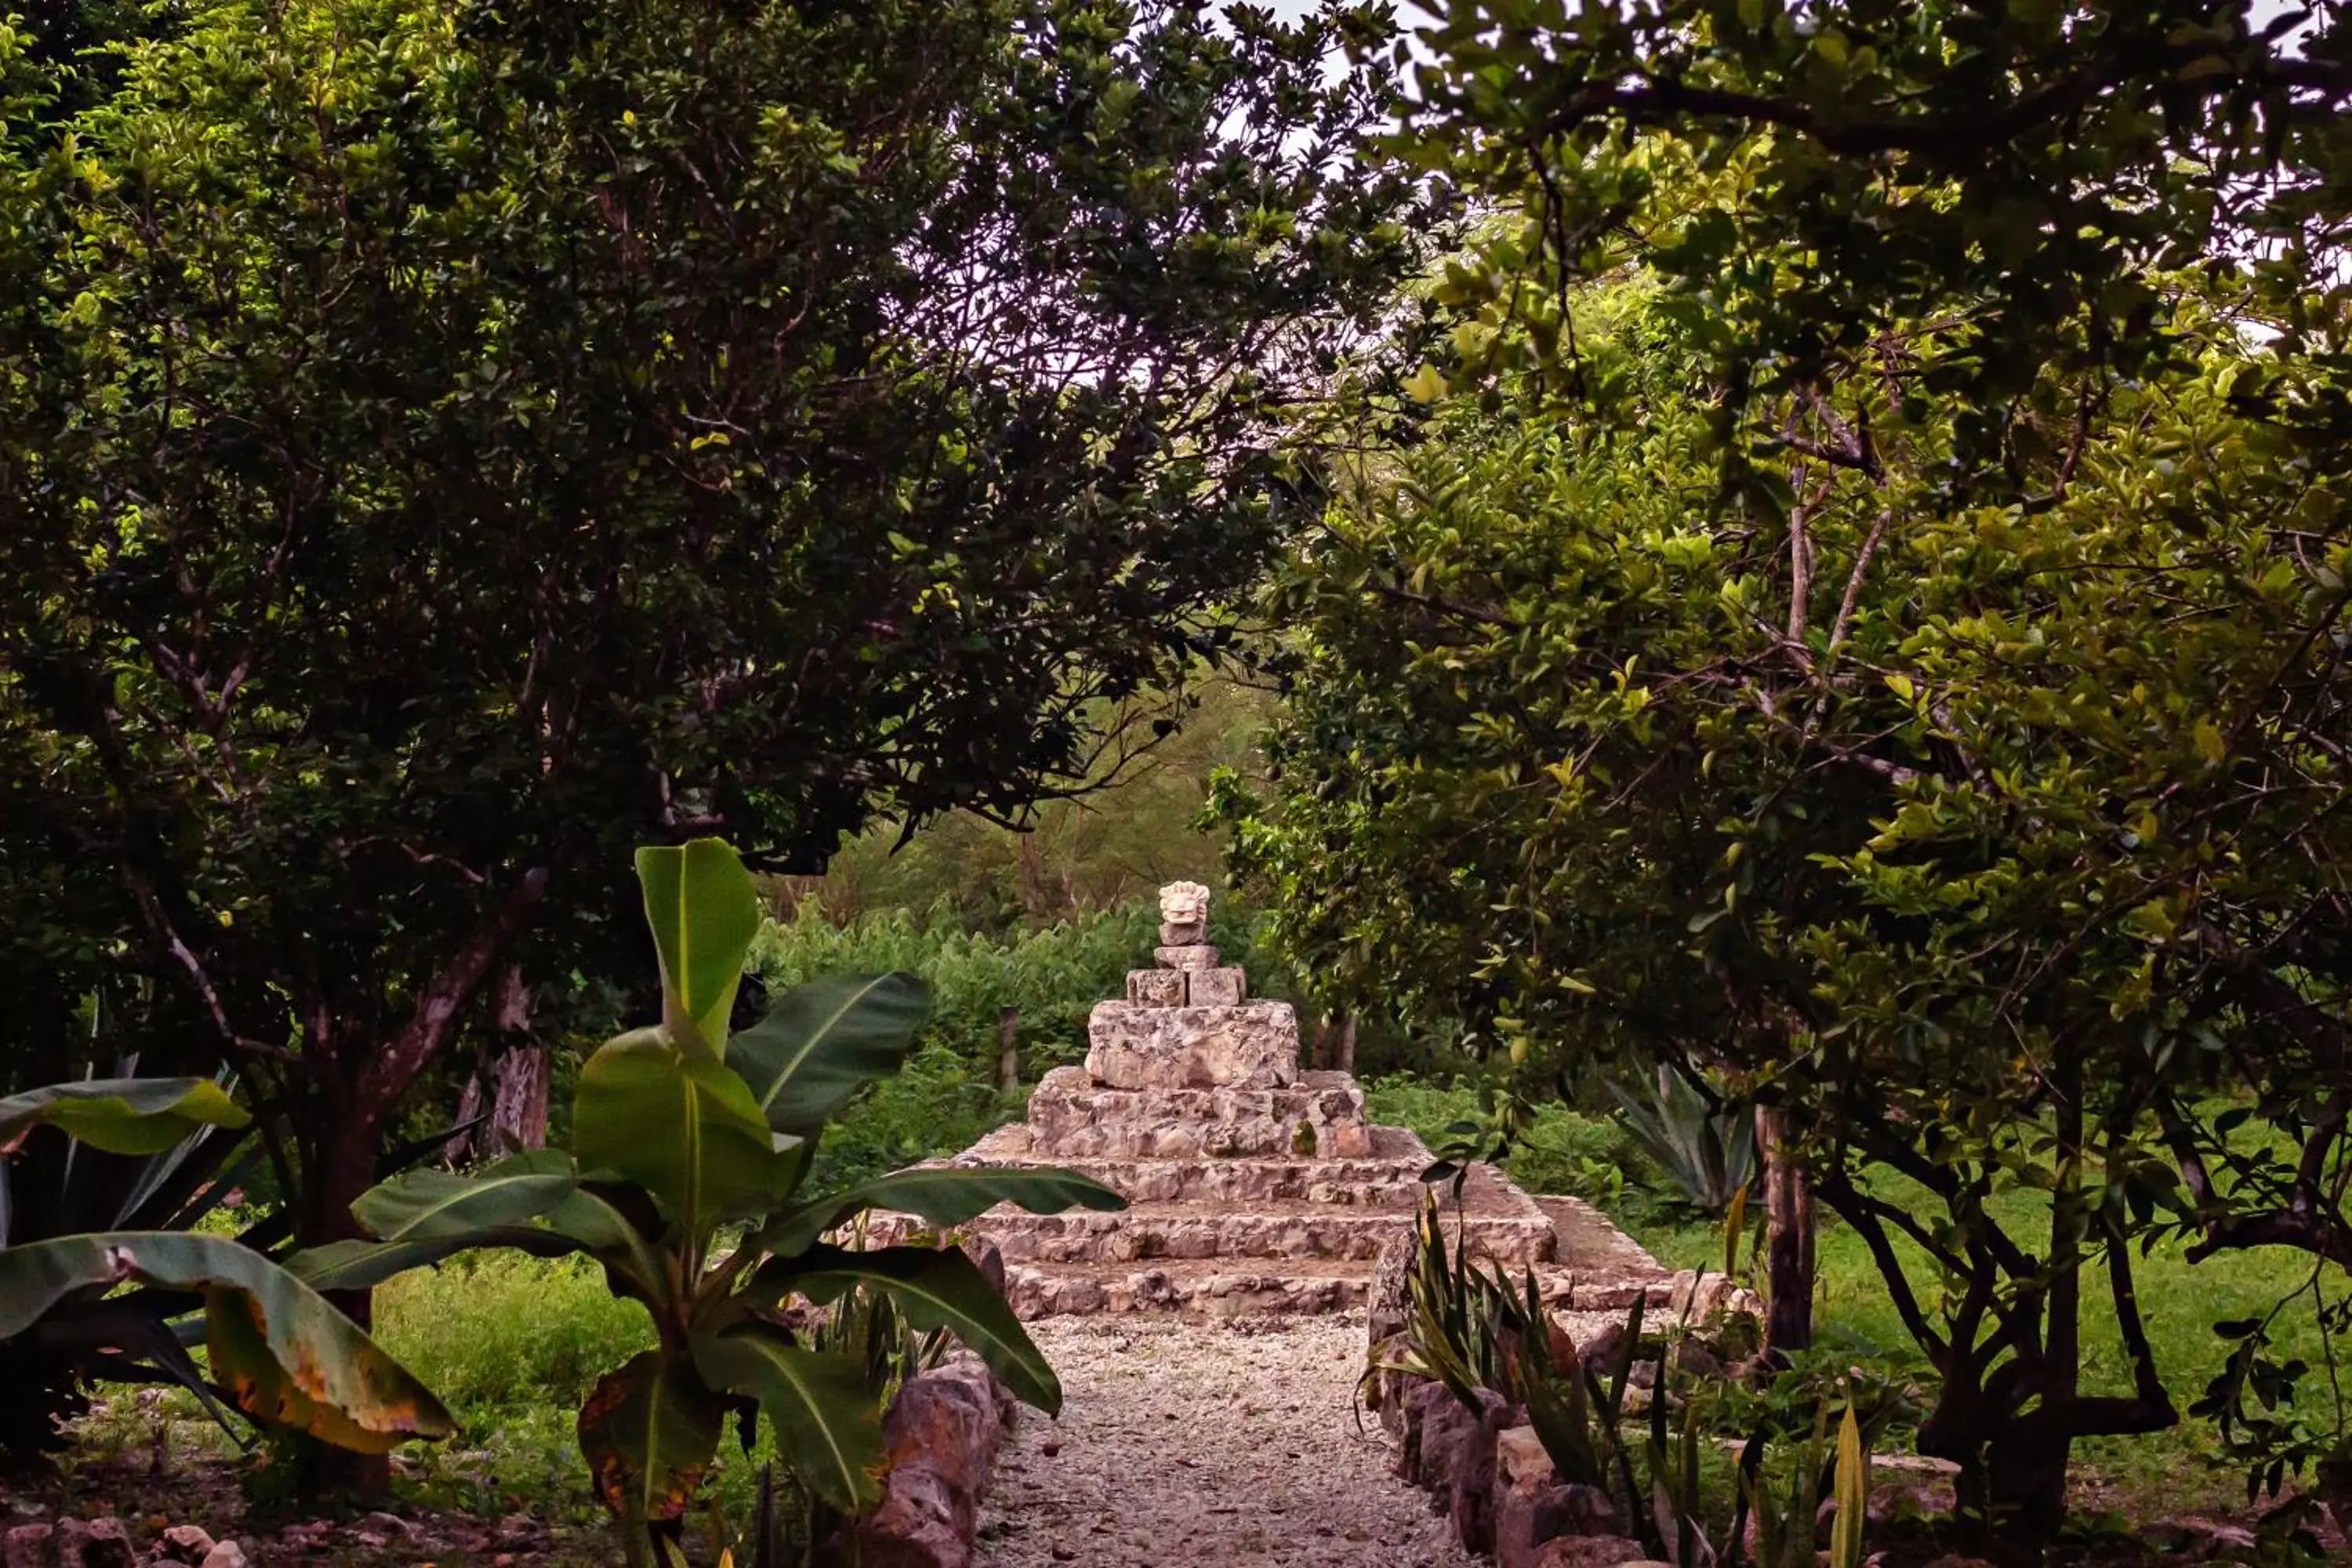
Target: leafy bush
1557	1151
1053	974
498	1334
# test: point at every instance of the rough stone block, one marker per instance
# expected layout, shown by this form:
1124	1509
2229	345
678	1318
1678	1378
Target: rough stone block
1192	955
1155	987
1191	933
1254	1045
1470	1508
1591	1551
1214	988
29	1546
1072	1116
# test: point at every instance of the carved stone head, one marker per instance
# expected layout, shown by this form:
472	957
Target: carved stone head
1183	904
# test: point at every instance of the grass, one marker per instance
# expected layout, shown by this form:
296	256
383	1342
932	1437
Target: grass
2172	1472
2180	1471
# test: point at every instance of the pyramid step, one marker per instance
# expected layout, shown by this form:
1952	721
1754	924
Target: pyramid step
1321	1115
1213	1288
1197	1289
1272	1229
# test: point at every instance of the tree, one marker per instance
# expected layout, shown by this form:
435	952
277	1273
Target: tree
444	444
1950	736
1926	878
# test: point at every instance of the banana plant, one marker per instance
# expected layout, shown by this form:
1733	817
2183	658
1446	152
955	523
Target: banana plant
692	1150
279	1352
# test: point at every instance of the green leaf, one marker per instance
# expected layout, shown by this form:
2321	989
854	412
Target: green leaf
122	1115
364	1265
683	1127
703	913
934	1289
943	1194
649	1432
284	1353
827	1414
429	1205
822	1042
1852	1495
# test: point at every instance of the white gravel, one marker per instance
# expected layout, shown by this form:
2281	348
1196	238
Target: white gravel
1204	1443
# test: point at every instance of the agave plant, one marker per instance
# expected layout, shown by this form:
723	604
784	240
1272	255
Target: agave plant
1704	1146
133	1163
690	1151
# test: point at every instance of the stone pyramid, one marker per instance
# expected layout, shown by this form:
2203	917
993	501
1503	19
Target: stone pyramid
1254	1186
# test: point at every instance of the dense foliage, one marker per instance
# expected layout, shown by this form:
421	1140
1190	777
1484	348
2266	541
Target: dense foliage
444	444
1880	631
687	1179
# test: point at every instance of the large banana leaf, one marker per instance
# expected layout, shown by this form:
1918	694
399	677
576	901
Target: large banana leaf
935	1289
432	1206
122	1115
285	1354
827	1421
822	1042
649	1432
704	912
682	1127
943	1194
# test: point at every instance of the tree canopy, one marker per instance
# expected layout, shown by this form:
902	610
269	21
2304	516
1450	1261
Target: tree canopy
1877	634
444	444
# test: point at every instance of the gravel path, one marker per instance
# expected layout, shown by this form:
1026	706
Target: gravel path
1192	1443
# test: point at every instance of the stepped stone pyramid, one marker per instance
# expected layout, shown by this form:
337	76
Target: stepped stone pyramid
1253	1186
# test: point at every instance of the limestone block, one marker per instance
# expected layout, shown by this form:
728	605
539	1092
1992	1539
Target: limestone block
1214	988
1155	987
1192	955
1190	934
29	1546
1072	1116
1254	1045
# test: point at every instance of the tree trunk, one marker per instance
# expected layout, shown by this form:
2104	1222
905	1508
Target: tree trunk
1347	1062
1788	1236
1008	1050
341	1167
517	1079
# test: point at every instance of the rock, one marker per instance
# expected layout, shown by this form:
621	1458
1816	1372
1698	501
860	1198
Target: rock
1185	933
1192	955
1254	1046
1155	987
1214	988
942	1432
1590	1551
1532	1509
1388	1385
985	1257
27	1546
227	1555
1470	1508
1419	1405
94	1543
187	1543
1695	1359
1391	1304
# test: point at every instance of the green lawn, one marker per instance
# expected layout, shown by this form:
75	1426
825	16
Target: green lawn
2174	1472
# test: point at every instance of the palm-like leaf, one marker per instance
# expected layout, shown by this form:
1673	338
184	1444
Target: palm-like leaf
286	1354
943	1194
935	1289
703	913
822	1042
122	1115
821	1403
682	1127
